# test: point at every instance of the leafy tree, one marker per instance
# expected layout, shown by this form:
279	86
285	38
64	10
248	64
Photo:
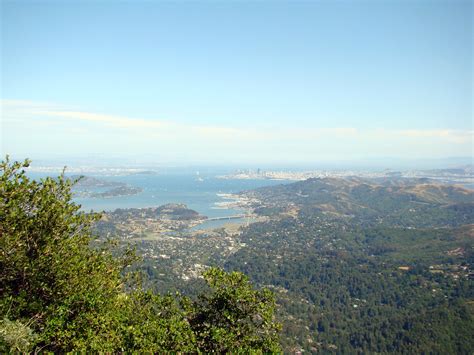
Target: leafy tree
234	316
49	276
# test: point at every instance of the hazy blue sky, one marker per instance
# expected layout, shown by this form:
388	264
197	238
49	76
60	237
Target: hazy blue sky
233	82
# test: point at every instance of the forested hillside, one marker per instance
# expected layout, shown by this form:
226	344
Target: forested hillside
366	266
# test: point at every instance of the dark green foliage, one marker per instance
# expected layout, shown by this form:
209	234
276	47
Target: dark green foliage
59	294
341	288
234	317
154	323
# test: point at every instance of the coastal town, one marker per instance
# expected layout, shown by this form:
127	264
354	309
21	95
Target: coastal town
142	222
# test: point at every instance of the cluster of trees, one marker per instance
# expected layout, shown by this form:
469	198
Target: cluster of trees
57	293
341	288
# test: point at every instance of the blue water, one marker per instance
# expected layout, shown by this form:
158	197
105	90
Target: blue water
200	196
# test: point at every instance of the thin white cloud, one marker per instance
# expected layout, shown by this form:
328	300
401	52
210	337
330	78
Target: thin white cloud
455	136
32	111
19	104
15	110
110	120
227	140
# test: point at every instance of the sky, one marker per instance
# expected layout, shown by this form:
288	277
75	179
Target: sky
237	82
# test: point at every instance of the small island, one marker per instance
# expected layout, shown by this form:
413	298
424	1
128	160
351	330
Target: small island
91	187
124	190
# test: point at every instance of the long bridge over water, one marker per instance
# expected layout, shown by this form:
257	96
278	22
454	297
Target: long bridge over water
236	216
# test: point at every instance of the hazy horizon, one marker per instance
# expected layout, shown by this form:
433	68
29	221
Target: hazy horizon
386	163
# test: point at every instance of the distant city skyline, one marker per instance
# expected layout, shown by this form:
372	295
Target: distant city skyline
235	83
